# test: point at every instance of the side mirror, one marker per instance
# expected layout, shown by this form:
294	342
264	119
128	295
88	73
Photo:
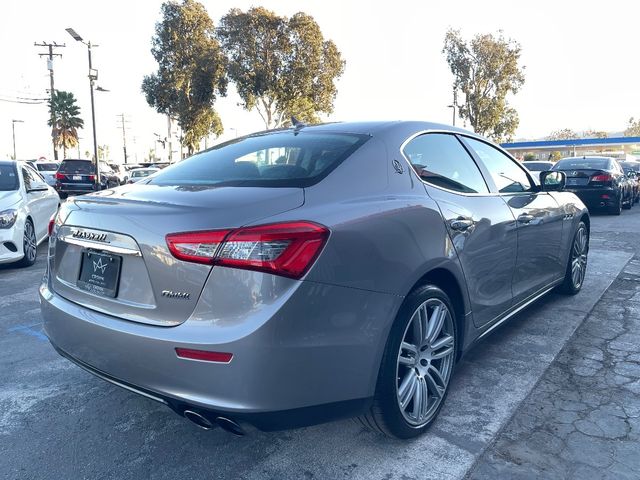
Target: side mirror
553	181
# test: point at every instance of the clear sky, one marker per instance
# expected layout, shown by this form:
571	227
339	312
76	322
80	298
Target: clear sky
581	59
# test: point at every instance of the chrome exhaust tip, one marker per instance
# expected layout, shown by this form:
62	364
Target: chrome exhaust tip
198	419
230	426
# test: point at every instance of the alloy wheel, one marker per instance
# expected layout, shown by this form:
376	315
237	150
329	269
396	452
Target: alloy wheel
579	257
30	243
425	362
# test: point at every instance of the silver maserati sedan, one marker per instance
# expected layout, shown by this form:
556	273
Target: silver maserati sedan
295	276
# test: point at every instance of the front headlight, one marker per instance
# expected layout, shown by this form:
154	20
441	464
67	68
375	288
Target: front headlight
8	218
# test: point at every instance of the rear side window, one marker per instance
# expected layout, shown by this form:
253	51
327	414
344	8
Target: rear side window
8	178
76	166
47	167
441	160
282	159
508	176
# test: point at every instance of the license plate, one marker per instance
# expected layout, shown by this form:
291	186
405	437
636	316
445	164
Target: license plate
100	273
77	177
577	181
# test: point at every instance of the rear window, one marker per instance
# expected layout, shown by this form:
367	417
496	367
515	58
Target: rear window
582	164
631	166
46	167
282	159
141	173
76	166
8	178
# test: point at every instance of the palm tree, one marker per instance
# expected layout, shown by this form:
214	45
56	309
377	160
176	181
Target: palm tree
66	113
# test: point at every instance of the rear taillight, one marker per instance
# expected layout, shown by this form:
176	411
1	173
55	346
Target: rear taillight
52	222
605	177
59	176
286	249
92	178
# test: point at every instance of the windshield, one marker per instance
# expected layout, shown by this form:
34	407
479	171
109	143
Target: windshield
281	159
8	178
582	164
47	167
77	166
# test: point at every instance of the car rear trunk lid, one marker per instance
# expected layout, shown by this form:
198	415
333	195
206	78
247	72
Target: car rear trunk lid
124	229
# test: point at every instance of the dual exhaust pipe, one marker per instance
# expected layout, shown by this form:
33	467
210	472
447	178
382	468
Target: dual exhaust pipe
225	423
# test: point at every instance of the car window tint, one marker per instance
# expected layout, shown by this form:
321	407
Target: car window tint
76	166
287	158
27	178
8	178
34	175
506	173
441	160
579	163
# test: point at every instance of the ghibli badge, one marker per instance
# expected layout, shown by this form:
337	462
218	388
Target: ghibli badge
94	237
172	294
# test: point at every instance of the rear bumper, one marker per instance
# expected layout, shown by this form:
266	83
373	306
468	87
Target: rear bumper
297	366
597	197
75	187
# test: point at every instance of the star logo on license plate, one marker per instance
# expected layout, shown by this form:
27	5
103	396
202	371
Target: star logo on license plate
99	266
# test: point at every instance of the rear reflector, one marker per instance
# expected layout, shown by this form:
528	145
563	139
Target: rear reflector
52	222
204	355
286	249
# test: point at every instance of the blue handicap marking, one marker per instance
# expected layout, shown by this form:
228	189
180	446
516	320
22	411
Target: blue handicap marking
34	330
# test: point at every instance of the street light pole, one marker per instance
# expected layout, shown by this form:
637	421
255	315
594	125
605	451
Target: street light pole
13	131
93	76
454	105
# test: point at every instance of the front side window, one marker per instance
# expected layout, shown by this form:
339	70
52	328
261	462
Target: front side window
508	176
281	159
440	160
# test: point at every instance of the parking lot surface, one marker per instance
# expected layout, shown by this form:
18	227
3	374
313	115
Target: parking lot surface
57	421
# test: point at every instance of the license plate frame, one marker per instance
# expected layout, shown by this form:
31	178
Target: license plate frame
76	177
100	273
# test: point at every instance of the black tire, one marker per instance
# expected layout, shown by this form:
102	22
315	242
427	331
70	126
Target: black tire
616	210
568	285
385	415
28	259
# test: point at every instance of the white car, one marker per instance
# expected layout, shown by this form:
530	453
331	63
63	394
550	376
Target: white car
27	204
48	171
138	174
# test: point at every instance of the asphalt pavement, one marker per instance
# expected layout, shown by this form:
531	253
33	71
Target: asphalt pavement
57	421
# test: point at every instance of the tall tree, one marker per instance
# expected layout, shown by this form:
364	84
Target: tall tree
563	134
65	111
594	134
633	128
191	70
281	66
486	70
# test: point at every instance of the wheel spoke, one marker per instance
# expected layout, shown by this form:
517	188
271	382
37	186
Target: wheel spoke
436	383
418	323
421	399
435	323
407	389
408	359
443	347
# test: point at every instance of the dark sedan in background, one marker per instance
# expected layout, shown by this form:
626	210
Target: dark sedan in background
538	167
599	182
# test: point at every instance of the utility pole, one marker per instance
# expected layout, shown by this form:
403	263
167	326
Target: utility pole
454	105
124	137
13	130
169	137
50	56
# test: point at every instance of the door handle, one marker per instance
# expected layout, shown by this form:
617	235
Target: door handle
524	218
461	224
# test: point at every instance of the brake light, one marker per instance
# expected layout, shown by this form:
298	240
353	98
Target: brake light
52	222
92	178
605	177
59	176
286	249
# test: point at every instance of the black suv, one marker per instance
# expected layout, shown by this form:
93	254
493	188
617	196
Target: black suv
79	176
